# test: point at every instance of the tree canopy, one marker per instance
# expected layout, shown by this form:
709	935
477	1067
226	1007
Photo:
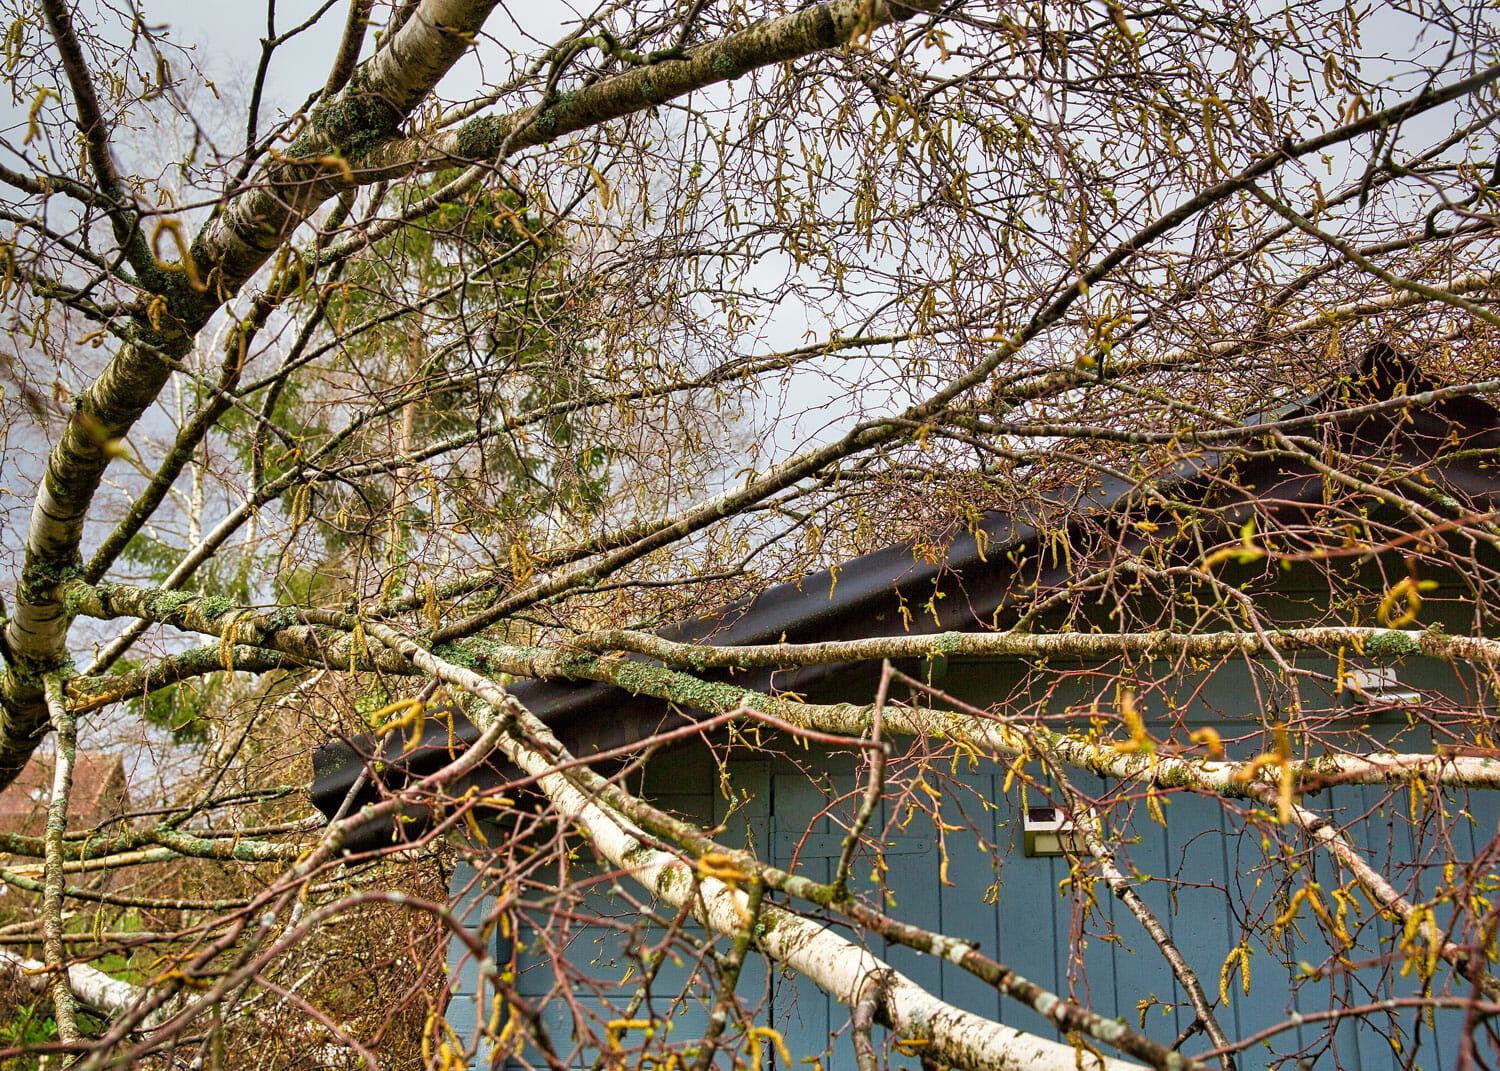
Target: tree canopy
511	345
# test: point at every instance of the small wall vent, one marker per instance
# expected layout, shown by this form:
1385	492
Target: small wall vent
1378	684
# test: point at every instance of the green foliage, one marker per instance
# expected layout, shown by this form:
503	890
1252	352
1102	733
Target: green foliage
289	411
217	577
177	710
322	584
30	1024
452	324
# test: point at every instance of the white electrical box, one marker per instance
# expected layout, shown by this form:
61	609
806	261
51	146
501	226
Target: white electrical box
1050	832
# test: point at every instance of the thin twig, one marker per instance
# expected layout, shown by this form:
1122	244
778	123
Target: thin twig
861	1019
1085	821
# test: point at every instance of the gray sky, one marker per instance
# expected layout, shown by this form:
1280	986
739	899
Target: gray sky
227	34
227	37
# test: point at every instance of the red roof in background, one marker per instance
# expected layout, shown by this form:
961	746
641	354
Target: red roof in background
99	794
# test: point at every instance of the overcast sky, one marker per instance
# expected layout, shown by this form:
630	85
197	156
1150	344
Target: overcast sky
227	36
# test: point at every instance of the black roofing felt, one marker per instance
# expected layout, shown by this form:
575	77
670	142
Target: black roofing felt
891	590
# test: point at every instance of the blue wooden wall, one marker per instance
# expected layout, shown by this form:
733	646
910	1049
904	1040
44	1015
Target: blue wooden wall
1212	878
472	902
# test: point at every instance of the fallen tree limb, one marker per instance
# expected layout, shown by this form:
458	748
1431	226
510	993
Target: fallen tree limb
107	995
838	966
315	636
1381	643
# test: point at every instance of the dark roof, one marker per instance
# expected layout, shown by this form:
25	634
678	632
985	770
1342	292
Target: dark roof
892	590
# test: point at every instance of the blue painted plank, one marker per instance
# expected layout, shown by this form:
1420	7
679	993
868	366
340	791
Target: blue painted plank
741	803
910	891
1197	871
472	901
801	1011
967	907
808	827
1142	971
1376	936
1259	893
1091	954
1322	1043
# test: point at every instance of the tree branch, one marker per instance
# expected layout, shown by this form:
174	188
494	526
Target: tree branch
348	53
89	984
838	966
63	1003
91	125
1086	821
1380	643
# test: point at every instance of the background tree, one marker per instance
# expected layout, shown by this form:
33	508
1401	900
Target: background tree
537	341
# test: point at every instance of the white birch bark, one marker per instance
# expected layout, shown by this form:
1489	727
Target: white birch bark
229	250
89	984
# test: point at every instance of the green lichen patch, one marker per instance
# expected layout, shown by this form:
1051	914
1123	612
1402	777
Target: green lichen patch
283	618
41	571
162	605
356	121
479	139
212	607
1391	645
459	654
668	880
947	642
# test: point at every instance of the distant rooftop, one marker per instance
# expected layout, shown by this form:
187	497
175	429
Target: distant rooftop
99	794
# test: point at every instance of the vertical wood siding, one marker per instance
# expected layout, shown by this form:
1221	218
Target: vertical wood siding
1202	872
